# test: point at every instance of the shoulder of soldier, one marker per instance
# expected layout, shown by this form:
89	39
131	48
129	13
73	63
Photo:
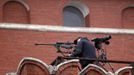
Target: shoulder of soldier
85	38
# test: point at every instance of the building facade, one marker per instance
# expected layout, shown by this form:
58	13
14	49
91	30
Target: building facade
19	19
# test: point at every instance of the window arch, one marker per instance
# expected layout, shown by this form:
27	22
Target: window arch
75	14
128	17
16	12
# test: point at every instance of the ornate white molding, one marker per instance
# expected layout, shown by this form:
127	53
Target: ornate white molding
122	69
30	59
68	61
57	28
95	66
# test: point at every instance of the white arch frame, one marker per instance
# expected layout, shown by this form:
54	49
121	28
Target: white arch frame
122	11
130	6
123	68
93	65
30	59
20	1
63	63
82	7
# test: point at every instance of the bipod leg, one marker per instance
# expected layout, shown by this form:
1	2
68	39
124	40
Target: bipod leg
132	71
111	68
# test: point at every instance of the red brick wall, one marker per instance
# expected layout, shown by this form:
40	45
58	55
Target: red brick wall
16	44
102	13
46	12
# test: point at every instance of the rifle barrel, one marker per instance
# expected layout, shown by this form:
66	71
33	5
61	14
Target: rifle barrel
43	44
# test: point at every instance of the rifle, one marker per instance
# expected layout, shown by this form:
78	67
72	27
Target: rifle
58	45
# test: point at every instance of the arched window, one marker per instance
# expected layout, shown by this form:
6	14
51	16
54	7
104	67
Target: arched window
15	12
75	15
128	17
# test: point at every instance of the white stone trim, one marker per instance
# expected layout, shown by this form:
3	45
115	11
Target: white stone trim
92	65
56	28
123	68
31	59
65	62
11	73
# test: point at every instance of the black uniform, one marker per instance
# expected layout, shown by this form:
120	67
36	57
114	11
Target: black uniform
84	49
